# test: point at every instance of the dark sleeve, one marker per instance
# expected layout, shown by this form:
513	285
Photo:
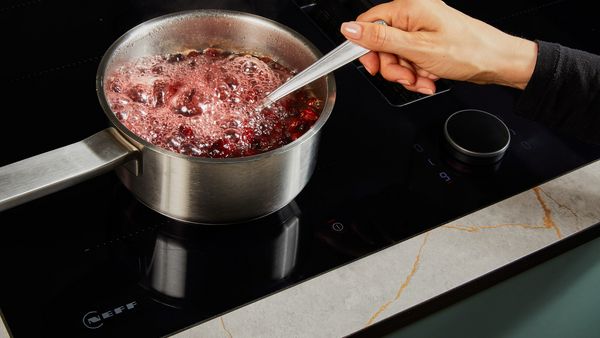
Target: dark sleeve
564	92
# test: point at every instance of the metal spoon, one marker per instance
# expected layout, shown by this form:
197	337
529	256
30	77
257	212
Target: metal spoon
341	55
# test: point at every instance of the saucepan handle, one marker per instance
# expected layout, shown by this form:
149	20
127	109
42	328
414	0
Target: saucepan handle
57	169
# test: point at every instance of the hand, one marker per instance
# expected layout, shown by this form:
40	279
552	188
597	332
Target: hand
427	40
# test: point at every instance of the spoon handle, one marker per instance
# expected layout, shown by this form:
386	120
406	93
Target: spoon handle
341	55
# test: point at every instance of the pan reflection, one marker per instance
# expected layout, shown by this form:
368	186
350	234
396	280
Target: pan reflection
190	261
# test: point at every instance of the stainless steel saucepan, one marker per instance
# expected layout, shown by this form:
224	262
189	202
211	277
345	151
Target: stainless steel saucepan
203	190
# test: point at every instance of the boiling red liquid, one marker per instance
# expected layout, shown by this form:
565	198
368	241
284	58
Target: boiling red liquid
205	103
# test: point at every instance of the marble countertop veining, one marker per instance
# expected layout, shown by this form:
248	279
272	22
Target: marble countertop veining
390	281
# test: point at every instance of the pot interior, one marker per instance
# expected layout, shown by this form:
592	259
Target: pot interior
229	30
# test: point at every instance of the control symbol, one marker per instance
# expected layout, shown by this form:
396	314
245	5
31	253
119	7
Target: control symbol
337	226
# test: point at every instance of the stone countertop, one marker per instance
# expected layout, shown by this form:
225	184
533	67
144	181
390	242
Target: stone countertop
352	297
356	295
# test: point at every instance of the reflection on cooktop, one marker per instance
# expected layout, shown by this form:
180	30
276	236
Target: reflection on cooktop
188	261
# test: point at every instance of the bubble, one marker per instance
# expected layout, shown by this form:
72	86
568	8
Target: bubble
204	103
233	135
222	92
249	67
231	81
230	121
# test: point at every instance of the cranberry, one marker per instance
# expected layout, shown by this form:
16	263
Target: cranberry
188	103
231	81
191	149
175	142
138	94
186	131
115	85
289	105
221	148
209	77
314	103
233	135
157	70
163	91
193	54
222	92
213	52
248	135
122	115
259	143
309	115
173	58
295	128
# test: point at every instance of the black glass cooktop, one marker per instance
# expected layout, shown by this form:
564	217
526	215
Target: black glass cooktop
92	261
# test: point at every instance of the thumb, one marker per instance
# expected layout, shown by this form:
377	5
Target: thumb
376	37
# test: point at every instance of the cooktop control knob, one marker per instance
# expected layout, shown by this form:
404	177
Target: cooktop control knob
476	137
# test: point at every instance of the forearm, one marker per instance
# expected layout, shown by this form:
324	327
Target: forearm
516	62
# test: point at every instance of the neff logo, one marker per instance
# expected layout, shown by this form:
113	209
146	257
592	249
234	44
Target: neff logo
95	319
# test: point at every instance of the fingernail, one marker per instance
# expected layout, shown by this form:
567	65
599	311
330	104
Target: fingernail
369	70
425	91
352	30
404	82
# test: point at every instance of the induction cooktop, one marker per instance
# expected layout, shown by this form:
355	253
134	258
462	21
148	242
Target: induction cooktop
92	261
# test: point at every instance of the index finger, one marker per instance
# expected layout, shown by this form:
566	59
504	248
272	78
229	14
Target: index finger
380	12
